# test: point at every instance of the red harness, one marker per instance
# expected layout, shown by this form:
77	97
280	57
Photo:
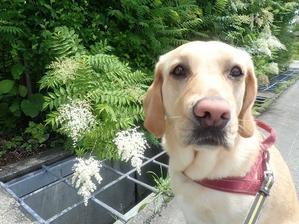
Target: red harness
249	184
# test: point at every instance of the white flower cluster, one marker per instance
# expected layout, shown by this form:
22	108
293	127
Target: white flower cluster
274	43
84	170
76	118
65	69
262	47
266	43
131	145
264	18
272	68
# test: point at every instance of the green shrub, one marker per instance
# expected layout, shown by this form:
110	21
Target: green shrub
102	40
261	27
98	83
142	30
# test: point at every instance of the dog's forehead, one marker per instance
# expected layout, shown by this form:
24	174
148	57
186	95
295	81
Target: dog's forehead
213	51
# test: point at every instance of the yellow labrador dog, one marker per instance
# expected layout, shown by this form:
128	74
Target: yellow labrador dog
200	104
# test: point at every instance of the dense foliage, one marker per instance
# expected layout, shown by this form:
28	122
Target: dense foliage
103	52
111	90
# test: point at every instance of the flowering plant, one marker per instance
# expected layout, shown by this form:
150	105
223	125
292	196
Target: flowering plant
131	145
91	97
84	171
267	43
76	119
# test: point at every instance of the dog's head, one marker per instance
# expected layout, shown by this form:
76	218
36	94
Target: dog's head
203	93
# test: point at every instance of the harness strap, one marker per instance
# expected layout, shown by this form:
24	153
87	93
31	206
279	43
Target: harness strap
257	205
258	181
264	191
251	183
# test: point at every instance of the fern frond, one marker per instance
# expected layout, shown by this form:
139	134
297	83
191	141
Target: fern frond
173	32
100	47
63	42
220	5
119	97
10	30
178	42
59	96
190	24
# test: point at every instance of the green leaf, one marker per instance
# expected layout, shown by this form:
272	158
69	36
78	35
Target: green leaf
13	91
6	85
4	109
22	90
17	70
28	108
14	106
32	106
38	100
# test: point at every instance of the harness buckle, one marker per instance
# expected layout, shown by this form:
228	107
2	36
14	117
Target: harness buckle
268	177
267	184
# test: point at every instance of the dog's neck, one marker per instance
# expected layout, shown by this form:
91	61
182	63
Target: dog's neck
200	163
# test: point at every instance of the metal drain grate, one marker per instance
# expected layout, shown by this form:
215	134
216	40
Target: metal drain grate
49	196
260	100
267	94
277	80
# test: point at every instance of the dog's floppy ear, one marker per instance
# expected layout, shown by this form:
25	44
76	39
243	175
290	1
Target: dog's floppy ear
153	105
246	120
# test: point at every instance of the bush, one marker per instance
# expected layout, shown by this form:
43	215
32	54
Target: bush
101	87
102	52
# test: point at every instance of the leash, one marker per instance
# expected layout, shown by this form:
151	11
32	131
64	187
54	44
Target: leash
257	205
264	191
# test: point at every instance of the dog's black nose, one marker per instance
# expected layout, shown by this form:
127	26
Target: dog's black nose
211	112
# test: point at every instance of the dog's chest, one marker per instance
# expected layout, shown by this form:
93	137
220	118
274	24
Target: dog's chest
212	209
206	206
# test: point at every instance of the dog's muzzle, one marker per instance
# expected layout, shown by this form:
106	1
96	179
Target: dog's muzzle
211	116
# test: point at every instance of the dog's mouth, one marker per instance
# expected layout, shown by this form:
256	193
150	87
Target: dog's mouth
212	136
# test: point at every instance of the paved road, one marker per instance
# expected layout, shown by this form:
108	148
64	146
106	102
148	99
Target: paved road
283	115
10	212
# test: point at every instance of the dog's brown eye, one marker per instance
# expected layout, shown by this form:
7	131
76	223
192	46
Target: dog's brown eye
179	71
236	72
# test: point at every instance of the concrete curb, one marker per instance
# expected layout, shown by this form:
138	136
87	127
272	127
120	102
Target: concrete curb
30	164
10	210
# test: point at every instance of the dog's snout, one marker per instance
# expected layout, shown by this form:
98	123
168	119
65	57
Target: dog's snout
212	112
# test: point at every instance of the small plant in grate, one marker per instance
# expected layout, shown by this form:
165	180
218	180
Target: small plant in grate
164	192
162	184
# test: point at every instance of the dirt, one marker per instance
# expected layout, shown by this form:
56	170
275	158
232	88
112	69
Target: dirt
19	154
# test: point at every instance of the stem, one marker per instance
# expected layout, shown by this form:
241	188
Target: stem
28	84
27	79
